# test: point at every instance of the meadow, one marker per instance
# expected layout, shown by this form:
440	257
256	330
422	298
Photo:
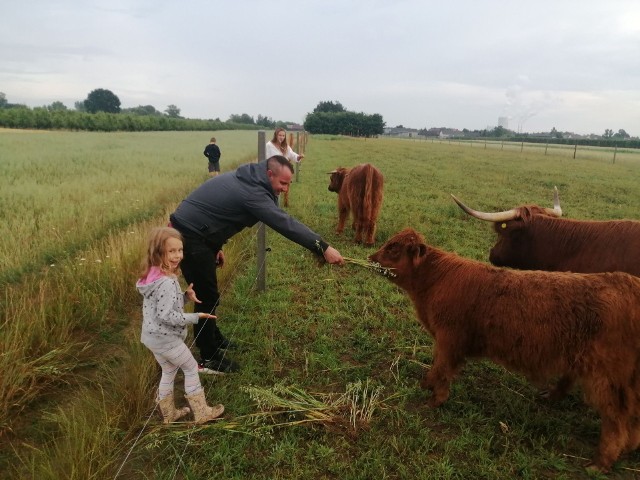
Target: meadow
331	356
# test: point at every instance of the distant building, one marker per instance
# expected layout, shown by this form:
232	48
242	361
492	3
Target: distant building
401	132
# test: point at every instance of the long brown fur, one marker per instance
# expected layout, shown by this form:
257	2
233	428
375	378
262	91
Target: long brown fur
536	241
360	192
582	327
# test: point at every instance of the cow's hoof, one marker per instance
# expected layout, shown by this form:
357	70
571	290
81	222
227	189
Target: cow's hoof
592	467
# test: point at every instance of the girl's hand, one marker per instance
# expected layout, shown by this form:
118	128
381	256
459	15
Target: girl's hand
206	315
191	294
220	259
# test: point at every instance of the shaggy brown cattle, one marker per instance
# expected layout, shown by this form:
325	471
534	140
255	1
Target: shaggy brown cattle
359	191
540	324
535	238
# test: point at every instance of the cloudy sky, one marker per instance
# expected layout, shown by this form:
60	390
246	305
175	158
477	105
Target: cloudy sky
572	65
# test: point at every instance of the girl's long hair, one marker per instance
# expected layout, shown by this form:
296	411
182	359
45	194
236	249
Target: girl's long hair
154	256
282	146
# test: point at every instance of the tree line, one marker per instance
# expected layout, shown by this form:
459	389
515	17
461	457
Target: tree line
332	118
102	111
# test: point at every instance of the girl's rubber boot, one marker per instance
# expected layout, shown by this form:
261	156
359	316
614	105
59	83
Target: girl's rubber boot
202	412
169	411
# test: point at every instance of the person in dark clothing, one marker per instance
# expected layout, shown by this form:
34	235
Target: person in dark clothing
212	152
214	212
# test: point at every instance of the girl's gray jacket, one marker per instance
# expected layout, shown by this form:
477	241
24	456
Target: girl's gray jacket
164	323
228	203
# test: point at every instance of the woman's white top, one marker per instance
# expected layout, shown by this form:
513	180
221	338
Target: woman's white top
272	150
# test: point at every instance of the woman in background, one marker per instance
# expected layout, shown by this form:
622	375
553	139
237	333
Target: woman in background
278	146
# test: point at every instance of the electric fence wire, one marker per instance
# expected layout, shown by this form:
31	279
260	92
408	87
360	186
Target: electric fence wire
230	336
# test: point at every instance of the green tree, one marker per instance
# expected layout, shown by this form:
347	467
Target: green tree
608	133
265	121
344	123
621	134
142	110
244	118
101	100
329	107
57	107
555	133
3	100
499	131
172	111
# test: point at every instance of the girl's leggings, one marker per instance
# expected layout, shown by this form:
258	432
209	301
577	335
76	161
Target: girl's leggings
170	361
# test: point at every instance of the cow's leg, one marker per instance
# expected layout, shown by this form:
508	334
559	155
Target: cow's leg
612	403
634	434
359	229
613	439
370	235
343	213
447	363
634	422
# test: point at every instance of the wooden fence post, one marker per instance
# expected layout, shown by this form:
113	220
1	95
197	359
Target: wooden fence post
299	152
575	149
262	231
545	148
615	150
521	147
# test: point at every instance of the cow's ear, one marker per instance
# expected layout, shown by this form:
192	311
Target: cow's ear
417	252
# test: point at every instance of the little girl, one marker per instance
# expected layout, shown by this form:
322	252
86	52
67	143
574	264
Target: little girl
164	326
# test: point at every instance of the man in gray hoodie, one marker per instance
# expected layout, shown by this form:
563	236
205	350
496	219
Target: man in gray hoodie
214	212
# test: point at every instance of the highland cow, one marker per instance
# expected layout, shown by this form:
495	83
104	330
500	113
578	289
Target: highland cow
536	238
583	327
360	192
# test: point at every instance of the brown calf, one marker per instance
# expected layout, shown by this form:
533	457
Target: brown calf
583	327
360	192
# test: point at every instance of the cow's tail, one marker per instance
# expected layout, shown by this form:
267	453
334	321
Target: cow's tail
367	201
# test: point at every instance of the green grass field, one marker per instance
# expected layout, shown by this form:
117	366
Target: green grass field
331	356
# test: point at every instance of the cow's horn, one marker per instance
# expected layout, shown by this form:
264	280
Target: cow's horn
489	217
556	211
330	173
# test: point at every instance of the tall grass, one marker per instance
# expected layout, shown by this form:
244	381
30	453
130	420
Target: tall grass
325	333
59	325
86	347
62	190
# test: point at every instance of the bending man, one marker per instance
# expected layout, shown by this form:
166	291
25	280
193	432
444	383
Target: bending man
214	212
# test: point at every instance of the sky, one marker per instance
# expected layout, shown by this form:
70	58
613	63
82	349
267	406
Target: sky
564	64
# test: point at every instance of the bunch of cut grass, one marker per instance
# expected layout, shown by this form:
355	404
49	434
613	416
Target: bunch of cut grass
355	407
373	266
